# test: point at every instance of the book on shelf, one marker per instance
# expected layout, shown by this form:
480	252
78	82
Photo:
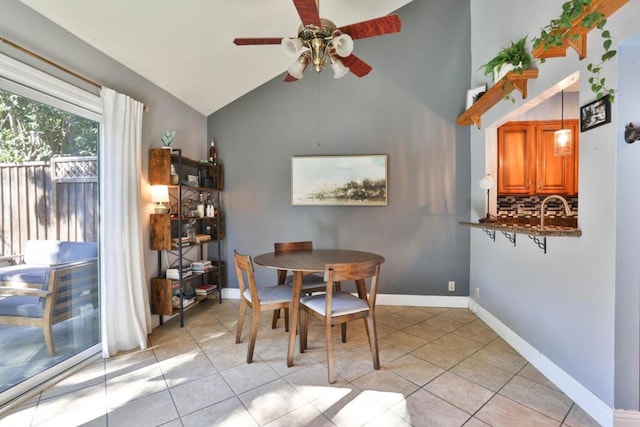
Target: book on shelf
206	289
174	273
201	238
202	265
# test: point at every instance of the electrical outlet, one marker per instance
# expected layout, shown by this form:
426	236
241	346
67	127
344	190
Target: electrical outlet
452	286
477	293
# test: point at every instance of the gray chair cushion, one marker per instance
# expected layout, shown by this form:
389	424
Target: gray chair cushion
21	306
342	303
271	294
25	273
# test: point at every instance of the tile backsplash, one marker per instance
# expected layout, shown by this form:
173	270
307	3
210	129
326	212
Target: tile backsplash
529	206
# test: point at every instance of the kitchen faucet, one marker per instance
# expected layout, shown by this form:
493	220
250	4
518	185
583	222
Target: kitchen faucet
553	196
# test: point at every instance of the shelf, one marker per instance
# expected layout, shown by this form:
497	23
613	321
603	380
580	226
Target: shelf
576	36
513	80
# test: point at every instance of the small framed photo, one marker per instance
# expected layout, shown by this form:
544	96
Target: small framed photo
474	94
595	114
193	180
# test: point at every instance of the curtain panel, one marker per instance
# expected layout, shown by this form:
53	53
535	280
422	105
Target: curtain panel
126	317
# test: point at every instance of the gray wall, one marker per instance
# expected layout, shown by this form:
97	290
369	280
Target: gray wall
406	108
29	29
627	348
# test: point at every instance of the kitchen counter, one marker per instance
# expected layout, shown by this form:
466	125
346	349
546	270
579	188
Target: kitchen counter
550	230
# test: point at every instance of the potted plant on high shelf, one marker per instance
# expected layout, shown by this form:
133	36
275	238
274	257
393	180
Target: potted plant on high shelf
568	30
513	58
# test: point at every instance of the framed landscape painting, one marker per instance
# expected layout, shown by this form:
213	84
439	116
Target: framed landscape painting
359	180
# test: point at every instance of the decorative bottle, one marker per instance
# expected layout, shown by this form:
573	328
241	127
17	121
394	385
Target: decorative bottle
212	152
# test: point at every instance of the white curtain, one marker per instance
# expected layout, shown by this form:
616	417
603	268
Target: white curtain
126	318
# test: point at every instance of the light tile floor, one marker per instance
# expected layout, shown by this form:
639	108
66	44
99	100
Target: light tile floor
440	367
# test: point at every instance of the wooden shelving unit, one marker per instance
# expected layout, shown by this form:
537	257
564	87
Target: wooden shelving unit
167	233
576	36
497	92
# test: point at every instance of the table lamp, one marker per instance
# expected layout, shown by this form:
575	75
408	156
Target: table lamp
487	183
159	196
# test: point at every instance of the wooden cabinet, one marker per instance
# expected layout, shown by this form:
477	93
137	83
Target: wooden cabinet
526	163
193	183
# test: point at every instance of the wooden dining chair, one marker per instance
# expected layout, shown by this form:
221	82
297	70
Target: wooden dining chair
335	307
311	282
263	298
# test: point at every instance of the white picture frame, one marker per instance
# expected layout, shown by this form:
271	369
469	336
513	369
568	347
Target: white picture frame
472	94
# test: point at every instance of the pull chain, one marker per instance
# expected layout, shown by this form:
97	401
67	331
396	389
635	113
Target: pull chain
318	109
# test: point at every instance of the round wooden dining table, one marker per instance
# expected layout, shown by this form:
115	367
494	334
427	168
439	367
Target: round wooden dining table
310	261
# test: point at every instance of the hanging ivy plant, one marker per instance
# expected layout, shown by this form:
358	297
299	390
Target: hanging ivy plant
556	32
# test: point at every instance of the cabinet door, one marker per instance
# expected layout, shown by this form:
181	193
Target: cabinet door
516	165
555	174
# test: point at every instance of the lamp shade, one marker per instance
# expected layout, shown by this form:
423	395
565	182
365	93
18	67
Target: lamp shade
343	44
487	182
159	193
339	70
562	142
291	46
297	68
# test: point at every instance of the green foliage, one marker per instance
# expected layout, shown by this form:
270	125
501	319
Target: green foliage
555	33
514	54
167	137
32	131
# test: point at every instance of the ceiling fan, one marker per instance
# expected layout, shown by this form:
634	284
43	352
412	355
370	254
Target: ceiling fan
319	41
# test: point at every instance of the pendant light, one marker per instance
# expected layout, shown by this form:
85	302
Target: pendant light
562	138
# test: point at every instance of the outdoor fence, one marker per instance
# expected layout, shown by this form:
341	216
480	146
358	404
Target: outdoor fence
56	200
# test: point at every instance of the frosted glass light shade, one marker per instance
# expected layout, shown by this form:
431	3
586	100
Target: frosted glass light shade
343	44
339	70
297	68
562	142
291	46
487	182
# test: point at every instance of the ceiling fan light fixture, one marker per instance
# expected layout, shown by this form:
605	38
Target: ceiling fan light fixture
339	70
343	44
292	46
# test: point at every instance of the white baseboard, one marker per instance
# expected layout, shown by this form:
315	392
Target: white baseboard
596	408
626	418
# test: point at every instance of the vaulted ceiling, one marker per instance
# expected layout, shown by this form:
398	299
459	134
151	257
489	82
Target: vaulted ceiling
186	47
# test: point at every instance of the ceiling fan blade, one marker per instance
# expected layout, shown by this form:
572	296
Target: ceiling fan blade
257	40
290	78
356	65
308	11
373	27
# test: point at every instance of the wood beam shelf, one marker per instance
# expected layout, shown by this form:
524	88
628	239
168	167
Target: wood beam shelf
513	80
576	36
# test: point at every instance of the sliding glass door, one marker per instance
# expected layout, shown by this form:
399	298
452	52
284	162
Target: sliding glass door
49	281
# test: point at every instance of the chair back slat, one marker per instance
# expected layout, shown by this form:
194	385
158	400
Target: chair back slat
292	246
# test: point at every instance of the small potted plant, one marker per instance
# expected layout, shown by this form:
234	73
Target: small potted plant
167	138
512	58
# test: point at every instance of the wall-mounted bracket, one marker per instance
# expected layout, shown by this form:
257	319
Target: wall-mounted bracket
510	237
490	233
542	244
